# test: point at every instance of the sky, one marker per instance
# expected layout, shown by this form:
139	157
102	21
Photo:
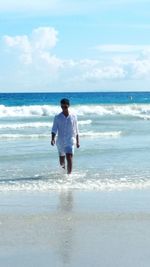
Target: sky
74	45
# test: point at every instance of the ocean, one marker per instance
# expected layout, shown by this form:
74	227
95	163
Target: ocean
114	148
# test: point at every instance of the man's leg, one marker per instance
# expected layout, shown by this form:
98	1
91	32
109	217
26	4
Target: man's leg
62	161
69	162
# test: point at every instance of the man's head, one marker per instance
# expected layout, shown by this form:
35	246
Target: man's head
64	103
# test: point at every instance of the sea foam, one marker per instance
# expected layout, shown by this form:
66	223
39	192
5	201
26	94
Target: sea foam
18	125
75	181
46	135
141	111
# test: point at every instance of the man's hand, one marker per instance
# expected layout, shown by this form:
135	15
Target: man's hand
52	142
53	139
77	145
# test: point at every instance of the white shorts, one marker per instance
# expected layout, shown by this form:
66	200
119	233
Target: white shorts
63	150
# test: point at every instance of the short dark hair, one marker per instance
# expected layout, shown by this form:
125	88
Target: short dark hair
65	101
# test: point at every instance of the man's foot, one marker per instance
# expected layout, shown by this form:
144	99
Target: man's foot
63	166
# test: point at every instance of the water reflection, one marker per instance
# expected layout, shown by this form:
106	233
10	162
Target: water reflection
65	201
65	229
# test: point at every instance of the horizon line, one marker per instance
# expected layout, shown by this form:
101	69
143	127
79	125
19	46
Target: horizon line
59	92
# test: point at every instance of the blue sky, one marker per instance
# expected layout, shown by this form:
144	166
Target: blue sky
74	45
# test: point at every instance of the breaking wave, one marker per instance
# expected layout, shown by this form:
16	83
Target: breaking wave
141	111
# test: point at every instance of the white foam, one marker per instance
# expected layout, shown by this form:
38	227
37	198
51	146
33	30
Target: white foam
39	136
134	110
101	134
35	125
25	125
85	122
76	182
144	117
28	111
22	136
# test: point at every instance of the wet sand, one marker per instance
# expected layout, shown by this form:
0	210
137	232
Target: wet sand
74	228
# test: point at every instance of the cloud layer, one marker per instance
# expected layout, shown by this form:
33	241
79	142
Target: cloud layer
36	66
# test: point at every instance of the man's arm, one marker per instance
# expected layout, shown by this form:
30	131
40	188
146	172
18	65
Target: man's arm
77	133
77	141
53	139
54	131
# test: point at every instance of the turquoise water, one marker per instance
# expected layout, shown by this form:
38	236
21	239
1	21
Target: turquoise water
114	136
20	99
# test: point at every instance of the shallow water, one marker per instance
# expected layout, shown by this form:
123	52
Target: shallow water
114	137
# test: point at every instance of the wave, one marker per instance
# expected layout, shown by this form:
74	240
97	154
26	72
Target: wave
25	125
23	136
85	122
101	134
43	136
15	126
28	111
141	111
75	181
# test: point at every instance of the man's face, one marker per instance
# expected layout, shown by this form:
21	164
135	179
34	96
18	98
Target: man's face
64	107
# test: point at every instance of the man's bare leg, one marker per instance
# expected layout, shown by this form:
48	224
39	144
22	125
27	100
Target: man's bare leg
69	163
62	161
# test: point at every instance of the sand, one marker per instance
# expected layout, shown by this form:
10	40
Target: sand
74	228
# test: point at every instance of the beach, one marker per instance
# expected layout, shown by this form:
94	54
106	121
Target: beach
99	215
75	229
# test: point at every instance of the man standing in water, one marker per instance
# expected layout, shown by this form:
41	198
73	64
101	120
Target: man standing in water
66	126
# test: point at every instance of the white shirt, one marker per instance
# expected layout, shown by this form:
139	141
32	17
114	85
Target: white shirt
67	129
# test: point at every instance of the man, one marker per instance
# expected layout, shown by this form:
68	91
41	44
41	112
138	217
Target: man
66	126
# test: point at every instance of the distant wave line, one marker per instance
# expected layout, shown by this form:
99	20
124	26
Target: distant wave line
35	125
25	125
101	134
39	136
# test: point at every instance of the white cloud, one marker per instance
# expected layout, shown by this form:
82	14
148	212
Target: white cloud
33	63
36	46
23	46
119	48
44	38
129	67
141	69
105	73
125	62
